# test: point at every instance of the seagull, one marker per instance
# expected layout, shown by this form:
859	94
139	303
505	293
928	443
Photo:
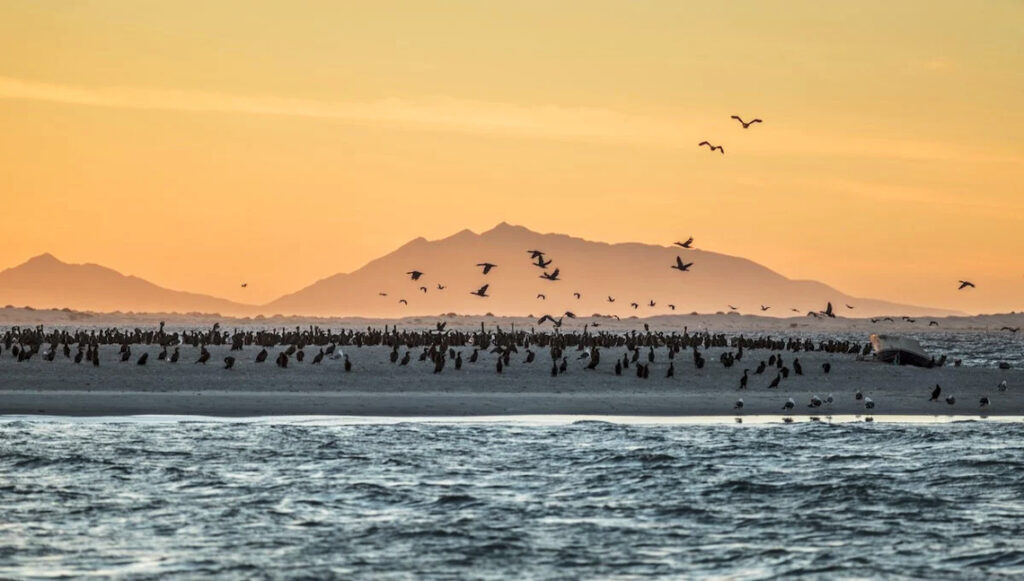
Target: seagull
550	276
481	292
712	147
746	124
815	402
964	284
415	274
682	266
687	244
869	403
487	266
984	401
950	400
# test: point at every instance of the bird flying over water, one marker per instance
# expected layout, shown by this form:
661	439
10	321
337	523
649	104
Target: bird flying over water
682	266
964	284
481	292
487	266
1010	329
712	147
746	124
687	244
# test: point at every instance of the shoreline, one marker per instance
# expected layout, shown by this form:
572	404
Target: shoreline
241	404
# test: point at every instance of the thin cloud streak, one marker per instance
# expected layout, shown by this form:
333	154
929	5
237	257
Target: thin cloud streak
549	122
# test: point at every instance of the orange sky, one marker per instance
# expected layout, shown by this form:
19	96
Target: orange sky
201	144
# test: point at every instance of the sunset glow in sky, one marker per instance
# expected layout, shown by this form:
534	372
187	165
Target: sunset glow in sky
202	144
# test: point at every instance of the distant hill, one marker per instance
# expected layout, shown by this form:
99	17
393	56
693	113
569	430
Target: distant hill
46	282
628	272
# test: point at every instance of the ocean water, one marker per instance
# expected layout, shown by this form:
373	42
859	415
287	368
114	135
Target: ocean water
506	499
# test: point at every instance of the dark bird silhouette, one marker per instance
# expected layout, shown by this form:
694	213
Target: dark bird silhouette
535	254
826	367
687	244
424	289
556	322
764	308
404	302
950	400
652	304
634	305
245	285
441	287
1010	329
936	393
541	263
229	362
552	276
850	306
933	323
611	299
712	147
487	266
746	124
481	292
965	283
204	356
732	308
542	297
671	306
984	401
744	379
143	359
775	382
382	294
828	311
577	295
261	356
682	266
415	274
789	404
738	405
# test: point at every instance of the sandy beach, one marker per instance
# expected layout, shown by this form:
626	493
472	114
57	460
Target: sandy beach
377	387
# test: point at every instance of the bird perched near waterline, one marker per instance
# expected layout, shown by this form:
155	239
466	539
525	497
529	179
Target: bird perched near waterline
869	403
789	405
738	405
984	402
936	393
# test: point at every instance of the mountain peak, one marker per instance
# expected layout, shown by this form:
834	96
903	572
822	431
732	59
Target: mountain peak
44	260
506	228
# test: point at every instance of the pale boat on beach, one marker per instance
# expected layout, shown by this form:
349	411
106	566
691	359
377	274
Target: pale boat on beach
900	350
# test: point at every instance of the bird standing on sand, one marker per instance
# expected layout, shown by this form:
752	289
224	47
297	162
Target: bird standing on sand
950	400
984	402
738	405
229	362
936	393
746	124
869	403
1002	385
789	405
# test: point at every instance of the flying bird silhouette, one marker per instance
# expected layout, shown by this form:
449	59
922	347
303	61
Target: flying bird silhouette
634	305
712	147
404	302
424	289
415	274
441	287
245	285
764	308
481	292
964	284
487	266
687	244
682	266
550	276
535	254
542	297
611	299
746	124
577	295
732	308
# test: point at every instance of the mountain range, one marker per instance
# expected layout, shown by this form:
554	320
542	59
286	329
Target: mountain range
627	272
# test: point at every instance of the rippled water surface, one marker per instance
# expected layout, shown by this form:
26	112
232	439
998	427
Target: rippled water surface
478	500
